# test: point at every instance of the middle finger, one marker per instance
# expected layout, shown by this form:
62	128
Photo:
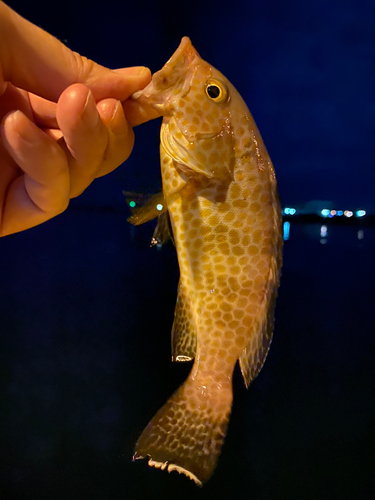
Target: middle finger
85	136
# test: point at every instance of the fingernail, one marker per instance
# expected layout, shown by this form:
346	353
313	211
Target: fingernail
90	114
133	71
118	124
140	70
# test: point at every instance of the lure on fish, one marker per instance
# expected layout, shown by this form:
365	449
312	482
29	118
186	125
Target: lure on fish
219	189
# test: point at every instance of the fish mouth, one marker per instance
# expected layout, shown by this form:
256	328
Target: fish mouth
176	74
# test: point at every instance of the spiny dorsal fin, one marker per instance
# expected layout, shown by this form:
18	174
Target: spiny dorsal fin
184	336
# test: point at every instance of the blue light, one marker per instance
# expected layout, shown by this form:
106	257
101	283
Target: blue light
325	212
289	211
159	207
360	213
340	212
286	230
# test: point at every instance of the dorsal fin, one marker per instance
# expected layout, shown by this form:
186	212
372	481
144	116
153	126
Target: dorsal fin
184	336
254	355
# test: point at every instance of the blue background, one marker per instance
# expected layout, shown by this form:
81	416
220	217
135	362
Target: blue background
86	307
305	69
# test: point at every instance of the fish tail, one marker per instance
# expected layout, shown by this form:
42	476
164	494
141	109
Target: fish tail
187	433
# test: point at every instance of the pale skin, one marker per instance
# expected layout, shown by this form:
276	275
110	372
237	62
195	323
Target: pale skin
64	121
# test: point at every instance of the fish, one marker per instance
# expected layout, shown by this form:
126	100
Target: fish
220	193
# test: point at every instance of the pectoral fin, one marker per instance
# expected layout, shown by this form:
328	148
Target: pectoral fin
146	208
184	337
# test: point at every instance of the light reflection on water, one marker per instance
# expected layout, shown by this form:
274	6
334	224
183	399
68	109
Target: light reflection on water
321	232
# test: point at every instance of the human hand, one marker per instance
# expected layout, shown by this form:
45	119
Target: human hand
62	122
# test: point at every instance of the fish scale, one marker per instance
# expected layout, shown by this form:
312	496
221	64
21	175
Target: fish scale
220	191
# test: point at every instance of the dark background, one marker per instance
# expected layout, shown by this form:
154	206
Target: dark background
86	307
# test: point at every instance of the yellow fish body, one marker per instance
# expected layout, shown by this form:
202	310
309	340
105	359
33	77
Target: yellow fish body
220	190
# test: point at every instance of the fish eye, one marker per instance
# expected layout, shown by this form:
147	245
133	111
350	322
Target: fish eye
216	91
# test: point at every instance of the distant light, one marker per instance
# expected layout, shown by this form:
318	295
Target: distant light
325	212
323	241
340	212
286	230
289	211
333	213
360	213
348	213
361	234
159	207
323	231
132	204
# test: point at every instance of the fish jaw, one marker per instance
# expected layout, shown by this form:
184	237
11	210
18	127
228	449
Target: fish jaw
172	81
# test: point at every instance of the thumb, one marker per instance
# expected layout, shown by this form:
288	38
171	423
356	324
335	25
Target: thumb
34	60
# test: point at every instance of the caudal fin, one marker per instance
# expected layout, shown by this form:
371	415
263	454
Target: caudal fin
187	433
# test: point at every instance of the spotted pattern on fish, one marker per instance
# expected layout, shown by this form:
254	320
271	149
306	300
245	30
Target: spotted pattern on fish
220	189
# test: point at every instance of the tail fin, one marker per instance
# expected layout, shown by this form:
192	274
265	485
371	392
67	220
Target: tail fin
187	433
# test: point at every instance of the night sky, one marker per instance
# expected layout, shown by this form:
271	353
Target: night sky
86	306
305	69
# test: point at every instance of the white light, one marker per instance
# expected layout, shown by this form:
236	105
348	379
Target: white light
323	231
360	213
361	234
348	213
325	212
159	207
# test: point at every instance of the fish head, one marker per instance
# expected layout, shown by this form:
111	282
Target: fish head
195	100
